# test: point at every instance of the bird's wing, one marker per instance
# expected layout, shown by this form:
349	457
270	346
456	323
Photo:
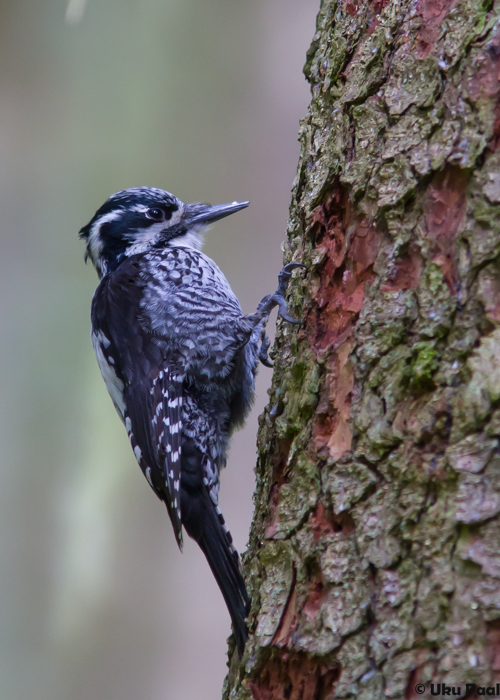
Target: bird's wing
145	384
154	423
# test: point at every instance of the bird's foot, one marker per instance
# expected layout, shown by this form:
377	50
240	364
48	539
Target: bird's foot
278	298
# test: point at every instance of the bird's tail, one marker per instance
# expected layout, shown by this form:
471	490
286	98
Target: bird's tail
216	544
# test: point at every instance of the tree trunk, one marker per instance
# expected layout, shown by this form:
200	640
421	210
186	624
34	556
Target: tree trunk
374	559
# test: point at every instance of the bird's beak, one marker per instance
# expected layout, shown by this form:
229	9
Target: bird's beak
207	214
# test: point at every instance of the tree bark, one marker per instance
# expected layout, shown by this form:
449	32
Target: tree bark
374	558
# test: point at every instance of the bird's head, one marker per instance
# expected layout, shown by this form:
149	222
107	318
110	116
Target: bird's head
136	220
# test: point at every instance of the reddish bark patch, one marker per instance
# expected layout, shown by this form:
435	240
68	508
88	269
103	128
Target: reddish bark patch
432	13
348	265
350	247
288	620
405	274
314	600
294	677
444	211
321	524
352	9
324	428
332	431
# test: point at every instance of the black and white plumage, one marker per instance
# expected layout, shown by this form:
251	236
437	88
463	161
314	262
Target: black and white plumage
178	358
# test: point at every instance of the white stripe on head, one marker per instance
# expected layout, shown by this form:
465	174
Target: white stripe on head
94	240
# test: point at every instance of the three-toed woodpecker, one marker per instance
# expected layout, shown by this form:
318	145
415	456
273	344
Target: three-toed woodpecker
178	358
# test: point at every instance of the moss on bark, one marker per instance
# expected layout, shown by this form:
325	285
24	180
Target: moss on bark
373	562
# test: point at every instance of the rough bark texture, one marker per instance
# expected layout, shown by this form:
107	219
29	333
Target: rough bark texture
374	559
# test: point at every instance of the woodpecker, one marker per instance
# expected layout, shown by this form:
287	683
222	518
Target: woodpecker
178	358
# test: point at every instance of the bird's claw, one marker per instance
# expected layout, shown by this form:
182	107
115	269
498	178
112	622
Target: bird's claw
283	308
284	276
279	295
264	347
277	299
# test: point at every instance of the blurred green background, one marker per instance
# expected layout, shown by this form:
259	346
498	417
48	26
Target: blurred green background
199	97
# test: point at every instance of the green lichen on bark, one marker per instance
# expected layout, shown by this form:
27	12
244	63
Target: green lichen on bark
373	561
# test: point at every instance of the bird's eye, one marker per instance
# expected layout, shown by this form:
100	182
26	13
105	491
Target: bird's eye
156	214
